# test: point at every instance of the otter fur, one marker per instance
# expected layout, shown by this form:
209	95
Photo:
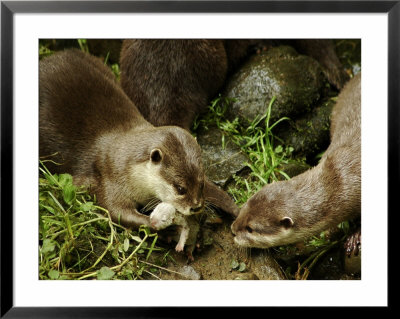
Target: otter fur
165	215
286	212
98	136
171	81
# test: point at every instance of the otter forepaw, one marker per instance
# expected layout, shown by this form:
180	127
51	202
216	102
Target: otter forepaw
352	245
179	247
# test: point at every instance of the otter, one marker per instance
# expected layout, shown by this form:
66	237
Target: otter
102	140
165	215
289	211
171	81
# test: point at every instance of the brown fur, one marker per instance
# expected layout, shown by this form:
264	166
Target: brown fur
289	211
171	81
101	139
323	50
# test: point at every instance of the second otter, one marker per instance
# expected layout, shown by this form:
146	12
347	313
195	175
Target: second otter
290	211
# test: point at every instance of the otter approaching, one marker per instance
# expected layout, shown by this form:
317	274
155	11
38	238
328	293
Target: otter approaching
290	211
102	140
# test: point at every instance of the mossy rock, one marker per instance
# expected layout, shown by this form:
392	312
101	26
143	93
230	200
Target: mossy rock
297	82
219	163
309	133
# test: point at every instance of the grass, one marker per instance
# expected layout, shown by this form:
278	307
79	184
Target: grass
256	140
78	239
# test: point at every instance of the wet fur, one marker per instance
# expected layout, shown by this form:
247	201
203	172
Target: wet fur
289	211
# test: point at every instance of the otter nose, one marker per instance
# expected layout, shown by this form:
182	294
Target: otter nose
196	209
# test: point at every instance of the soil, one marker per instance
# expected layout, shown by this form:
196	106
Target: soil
218	258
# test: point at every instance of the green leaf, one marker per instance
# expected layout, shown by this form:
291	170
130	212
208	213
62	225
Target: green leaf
234	264
54	274
65	179
69	193
279	149
105	273
50	209
126	244
87	206
242	267
137	238
48	246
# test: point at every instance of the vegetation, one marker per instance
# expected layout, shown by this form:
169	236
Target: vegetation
256	140
78	240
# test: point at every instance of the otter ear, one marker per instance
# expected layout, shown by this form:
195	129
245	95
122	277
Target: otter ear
287	222
156	155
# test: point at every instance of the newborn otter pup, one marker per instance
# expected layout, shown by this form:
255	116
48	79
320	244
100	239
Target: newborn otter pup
290	211
165	215
102	140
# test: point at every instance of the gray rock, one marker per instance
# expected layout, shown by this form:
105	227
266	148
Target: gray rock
264	266
309	133
295	168
295	80
247	276
219	163
352	264
189	273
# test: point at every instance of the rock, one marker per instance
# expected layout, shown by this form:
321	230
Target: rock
189	273
349	54
220	163
264	266
295	168
309	133
247	276
295	80
329	267
352	265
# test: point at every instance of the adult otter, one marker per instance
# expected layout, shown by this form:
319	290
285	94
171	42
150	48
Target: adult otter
101	139
171	81
289	211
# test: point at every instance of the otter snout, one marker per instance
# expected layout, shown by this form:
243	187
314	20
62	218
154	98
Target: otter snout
197	209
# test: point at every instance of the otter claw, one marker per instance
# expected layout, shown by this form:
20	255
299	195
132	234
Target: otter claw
353	244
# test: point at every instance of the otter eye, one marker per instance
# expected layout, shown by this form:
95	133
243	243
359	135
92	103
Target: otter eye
249	229
180	189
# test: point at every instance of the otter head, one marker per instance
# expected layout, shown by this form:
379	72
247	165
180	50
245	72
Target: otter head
265	220
175	168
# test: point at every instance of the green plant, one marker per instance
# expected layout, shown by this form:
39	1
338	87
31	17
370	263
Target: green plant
256	140
78	239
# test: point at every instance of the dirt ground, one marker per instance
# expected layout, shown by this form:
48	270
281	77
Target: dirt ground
218	258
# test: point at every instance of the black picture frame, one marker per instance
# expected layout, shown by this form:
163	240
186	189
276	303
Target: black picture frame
9	8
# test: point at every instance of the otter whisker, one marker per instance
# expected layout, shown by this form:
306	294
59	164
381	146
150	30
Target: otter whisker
153	202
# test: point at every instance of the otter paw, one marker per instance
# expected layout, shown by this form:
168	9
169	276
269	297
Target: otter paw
179	247
352	245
